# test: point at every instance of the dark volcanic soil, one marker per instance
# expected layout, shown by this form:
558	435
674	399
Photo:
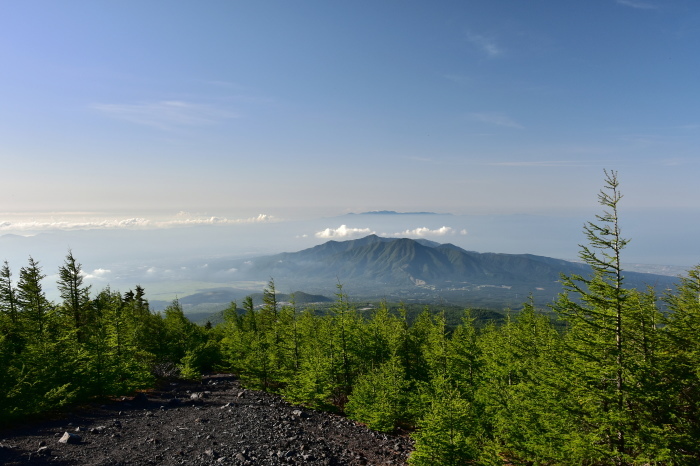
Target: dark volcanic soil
216	422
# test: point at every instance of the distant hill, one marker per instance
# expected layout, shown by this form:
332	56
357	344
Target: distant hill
386	266
392	212
213	300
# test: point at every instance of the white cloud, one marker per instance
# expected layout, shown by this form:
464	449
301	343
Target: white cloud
182	220
342	232
165	115
486	44
496	118
35	225
424	231
97	274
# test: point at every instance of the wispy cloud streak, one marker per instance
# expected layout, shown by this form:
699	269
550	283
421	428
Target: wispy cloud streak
486	44
637	4
421	232
165	115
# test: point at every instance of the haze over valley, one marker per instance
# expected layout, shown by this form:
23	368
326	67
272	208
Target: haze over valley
183	258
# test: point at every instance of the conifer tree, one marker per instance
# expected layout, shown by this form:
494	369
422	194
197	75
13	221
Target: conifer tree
50	359
612	338
682	381
314	383
518	393
76	297
380	397
35	309
448	432
9	311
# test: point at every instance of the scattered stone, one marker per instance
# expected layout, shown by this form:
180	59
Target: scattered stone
43	451
198	397
270	431
69	438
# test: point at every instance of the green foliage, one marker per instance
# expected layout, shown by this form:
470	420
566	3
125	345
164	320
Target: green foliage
380	397
54	355
448	432
615	381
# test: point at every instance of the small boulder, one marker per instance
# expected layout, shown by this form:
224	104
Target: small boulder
70	438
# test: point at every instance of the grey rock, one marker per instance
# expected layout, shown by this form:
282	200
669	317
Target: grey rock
70	438
43	451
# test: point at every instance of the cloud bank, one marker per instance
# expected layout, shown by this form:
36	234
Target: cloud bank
128	223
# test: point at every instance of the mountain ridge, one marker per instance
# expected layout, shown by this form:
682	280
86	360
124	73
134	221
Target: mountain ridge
405	262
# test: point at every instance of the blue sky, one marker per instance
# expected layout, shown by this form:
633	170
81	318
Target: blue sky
235	109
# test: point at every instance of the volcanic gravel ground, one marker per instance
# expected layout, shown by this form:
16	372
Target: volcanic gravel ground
216	422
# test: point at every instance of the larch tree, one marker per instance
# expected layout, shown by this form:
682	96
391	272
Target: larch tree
76	297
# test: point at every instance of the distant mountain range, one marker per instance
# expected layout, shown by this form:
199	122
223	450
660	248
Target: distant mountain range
393	212
413	267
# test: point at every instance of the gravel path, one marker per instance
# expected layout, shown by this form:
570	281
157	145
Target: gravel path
216	422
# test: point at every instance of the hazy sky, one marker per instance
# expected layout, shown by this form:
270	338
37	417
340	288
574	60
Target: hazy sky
303	108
